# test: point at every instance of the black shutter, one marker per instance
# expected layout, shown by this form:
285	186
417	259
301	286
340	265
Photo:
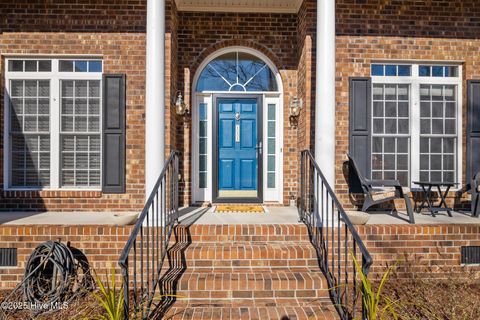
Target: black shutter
473	130
113	133
360	119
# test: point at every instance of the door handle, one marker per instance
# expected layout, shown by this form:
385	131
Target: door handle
258	148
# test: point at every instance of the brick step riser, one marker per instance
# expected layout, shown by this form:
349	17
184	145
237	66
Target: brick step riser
262	312
233	252
258	302
253	295
302	239
298	231
232	264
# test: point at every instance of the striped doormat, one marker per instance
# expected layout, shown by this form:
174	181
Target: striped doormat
238	208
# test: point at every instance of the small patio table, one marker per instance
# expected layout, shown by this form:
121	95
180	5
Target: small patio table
427	188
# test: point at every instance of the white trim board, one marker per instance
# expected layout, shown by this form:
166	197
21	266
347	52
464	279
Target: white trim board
261	6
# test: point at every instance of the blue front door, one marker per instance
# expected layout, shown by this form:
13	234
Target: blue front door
237	148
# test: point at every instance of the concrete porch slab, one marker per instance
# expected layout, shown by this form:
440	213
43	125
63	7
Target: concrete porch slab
272	215
382	217
67	218
289	215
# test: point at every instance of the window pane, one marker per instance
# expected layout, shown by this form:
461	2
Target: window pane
81	88
95	66
437	71
203	163
271	145
80	160
390	109
203	180
81	66
377	92
437	159
391	156
390	92
80	125
424	71
404	71
15	65
403	109
377	70
29	127
378	126
271	129
202	175
437	109
377	109
390	126
44	65
237	71
271	163
31	65
271	180
94	89
451	71
65	65
402	91
271	112
390	70
30	160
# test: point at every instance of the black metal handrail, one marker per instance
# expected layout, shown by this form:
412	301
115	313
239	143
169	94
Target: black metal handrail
142	258
334	238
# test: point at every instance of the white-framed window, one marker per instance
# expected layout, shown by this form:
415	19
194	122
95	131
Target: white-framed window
52	123
416	122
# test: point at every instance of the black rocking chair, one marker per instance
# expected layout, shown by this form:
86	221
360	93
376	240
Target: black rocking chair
380	191
475	190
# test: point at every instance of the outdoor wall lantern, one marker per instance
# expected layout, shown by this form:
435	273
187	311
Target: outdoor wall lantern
181	108
296	105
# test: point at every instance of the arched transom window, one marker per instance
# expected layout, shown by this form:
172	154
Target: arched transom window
237	71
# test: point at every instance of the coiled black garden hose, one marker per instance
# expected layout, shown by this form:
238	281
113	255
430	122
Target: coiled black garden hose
49	273
52	276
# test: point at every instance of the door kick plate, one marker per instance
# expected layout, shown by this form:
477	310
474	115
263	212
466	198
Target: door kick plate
237	133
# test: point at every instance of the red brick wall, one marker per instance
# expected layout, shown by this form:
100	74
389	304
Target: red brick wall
101	245
366	30
115	30
423	246
275	35
122	53
419	248
403	30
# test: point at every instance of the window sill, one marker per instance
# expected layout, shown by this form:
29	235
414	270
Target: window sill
32	193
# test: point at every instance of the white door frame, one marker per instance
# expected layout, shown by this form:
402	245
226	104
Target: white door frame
205	194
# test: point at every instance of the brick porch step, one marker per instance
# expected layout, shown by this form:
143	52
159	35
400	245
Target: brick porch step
248	285
245	254
246	272
260	313
243	232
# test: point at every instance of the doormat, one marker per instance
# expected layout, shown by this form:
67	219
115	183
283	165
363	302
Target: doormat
242	209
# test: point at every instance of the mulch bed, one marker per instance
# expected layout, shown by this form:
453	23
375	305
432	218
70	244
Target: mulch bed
82	307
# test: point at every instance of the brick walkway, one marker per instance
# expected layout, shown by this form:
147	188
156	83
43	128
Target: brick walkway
245	272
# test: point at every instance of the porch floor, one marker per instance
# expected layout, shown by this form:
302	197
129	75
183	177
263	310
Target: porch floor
67	218
289	215
206	215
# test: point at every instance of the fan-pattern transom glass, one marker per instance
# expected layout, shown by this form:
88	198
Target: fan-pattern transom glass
237	72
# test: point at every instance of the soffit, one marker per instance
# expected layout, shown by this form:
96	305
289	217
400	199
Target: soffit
274	6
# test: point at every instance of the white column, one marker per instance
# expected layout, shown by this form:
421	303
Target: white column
325	90
155	93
